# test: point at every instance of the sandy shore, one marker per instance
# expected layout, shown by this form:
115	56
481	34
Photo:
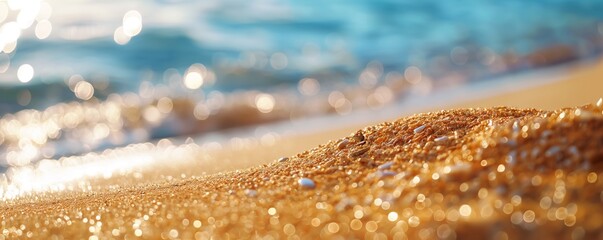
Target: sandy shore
579	85
575	85
443	175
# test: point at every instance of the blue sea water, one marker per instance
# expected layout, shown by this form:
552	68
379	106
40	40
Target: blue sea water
334	39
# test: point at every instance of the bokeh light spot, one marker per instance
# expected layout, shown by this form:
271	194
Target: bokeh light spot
278	61
120	37
10	32
28	13
201	112
43	29
264	102
308	86
193	80
24	98
25	73
84	90
413	74
132	23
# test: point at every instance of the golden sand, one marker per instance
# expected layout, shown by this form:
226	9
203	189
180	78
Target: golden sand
498	173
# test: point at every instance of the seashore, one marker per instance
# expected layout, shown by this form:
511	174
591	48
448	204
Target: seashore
375	195
497	173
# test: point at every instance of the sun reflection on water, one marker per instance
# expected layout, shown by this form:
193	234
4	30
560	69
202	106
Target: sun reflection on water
136	164
58	175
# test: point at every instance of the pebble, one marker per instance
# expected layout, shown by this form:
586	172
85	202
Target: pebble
512	158
358	137
359	152
552	151
283	159
343	144
306	183
385	166
386	173
441	139
419	129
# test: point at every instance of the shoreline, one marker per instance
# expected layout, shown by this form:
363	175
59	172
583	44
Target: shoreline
147	117
137	187
424	176
253	146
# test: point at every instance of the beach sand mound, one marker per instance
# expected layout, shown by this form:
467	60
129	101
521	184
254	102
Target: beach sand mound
497	173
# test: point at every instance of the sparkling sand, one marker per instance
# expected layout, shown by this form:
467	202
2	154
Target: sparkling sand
498	173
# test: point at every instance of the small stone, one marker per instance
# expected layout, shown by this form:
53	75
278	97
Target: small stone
283	159
419	129
512	158
385	166
552	151
441	139
343	144
306	183
600	102
359	152
358	137
516	126
383	174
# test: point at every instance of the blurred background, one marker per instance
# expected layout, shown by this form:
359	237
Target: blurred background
85	76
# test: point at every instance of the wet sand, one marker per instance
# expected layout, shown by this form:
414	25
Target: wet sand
581	84
501	173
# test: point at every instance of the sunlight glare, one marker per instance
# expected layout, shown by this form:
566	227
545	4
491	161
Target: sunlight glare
132	23
25	73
